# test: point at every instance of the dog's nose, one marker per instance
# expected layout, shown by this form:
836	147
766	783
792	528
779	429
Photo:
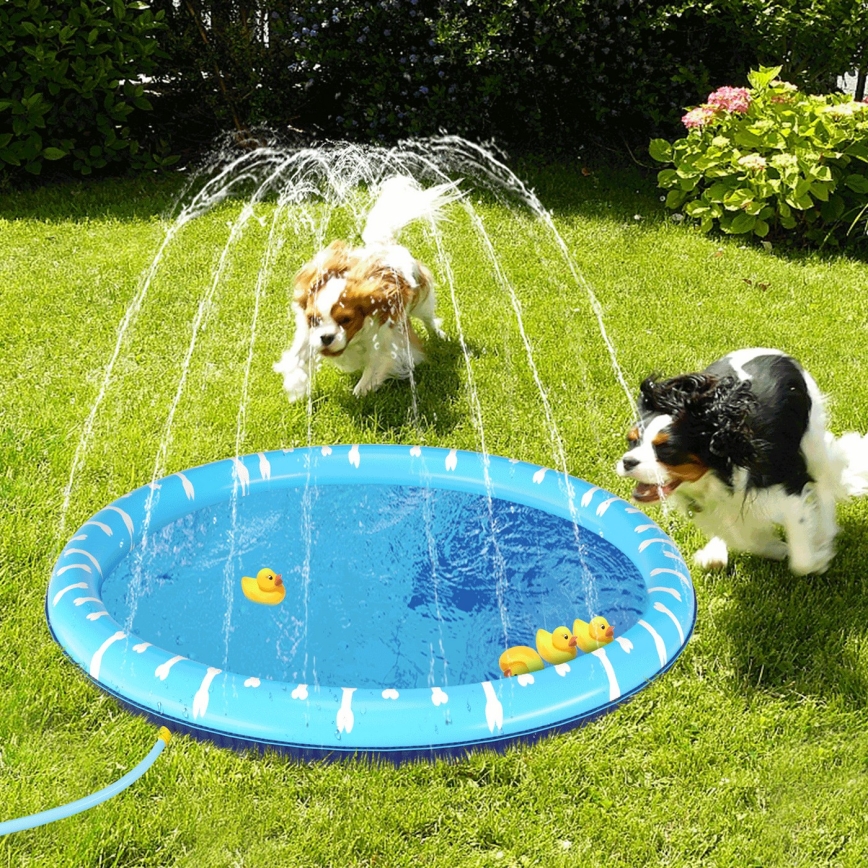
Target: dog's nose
628	463
326	340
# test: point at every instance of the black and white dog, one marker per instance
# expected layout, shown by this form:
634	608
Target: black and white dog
742	449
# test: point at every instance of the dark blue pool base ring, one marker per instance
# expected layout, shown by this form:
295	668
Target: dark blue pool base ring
244	710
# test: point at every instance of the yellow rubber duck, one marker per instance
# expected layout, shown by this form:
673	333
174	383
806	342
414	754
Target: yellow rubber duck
559	646
590	636
266	588
519	660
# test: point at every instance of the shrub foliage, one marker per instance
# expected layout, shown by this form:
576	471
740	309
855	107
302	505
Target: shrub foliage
71	81
771	159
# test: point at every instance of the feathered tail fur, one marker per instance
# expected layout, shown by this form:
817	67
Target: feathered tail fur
401	201
849	453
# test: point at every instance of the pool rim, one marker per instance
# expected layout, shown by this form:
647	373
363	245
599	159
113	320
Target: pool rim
498	708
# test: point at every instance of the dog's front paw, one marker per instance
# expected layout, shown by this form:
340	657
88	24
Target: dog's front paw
364	387
296	382
816	563
712	556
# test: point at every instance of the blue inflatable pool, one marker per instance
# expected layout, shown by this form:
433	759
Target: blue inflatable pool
370	600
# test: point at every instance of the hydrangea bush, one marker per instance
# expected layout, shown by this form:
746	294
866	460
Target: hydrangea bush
769	159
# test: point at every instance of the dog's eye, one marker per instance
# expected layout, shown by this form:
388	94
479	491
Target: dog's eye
314	321
343	320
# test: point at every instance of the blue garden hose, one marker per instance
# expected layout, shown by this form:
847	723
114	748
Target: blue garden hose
77	807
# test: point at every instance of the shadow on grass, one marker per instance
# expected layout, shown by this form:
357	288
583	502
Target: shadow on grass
438	388
123	199
801	636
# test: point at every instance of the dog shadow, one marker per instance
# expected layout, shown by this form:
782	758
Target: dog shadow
800	636
428	402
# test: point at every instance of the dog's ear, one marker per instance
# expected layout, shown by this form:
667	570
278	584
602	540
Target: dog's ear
332	261
716	410
675	394
381	291
727	420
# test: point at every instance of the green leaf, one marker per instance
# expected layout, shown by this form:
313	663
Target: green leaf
763	77
857	183
761	228
660	150
742	223
820	191
697	208
747	139
675	198
53	154
667	178
833	210
718	192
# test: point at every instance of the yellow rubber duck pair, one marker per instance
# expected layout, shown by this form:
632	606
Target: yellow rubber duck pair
559	646
267	587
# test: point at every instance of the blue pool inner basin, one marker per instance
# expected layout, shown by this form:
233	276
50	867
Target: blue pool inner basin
346	600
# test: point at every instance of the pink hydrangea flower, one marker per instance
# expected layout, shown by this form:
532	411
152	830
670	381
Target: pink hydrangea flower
698	117
731	99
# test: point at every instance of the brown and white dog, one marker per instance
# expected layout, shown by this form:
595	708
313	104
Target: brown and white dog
353	304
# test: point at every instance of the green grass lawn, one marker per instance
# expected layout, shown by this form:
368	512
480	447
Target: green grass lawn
751	750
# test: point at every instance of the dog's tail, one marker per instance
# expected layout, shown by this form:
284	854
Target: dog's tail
849	453
401	201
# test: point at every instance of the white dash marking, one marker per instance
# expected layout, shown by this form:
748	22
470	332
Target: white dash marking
128	522
657	539
101	525
84	567
662	590
416	451
80	601
300	692
264	466
562	669
141	647
96	660
661	608
162	671
253	681
438	696
452	459
390	693
625	643
588	496
540	475
93	616
189	491
354	457
525	679
87	554
601	509
346	719
493	707
200	700
658	642
641	528
614	687
62	591
242	474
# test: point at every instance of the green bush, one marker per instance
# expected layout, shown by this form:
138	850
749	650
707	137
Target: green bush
550	72
770	159
71	81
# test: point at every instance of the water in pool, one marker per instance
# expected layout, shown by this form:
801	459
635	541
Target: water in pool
386	586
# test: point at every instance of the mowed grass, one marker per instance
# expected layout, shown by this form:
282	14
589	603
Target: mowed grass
751	750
